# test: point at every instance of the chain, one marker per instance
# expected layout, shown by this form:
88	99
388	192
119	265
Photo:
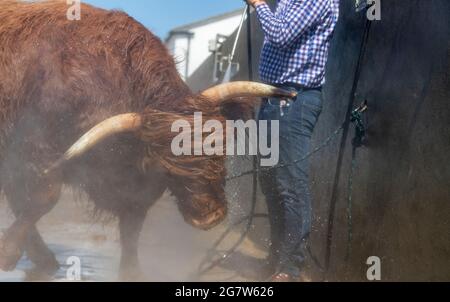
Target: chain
350	205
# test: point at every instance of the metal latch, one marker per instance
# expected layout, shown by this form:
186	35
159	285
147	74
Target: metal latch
360	128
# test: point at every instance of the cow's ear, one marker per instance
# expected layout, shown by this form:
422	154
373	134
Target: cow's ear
241	108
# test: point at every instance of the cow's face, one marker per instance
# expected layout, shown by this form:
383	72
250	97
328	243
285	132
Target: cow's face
196	180
202	206
198	186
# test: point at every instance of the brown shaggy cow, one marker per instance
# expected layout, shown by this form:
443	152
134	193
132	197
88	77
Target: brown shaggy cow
60	78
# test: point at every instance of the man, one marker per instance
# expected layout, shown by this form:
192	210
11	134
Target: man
294	55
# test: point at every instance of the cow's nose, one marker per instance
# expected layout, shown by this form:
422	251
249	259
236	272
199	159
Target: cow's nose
210	221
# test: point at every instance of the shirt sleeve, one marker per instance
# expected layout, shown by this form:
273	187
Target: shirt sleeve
282	31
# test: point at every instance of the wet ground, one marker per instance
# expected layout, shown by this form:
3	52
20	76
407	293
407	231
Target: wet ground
170	250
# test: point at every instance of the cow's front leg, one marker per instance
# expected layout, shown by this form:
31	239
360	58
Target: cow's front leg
13	242
37	197
131	221
43	258
36	250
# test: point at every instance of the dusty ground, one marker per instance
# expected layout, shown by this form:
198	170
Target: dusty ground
170	250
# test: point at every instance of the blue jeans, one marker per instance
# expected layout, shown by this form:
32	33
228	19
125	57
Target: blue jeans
287	187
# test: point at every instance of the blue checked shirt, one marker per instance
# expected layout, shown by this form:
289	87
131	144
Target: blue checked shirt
297	40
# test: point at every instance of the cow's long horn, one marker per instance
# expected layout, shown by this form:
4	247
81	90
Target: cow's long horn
232	90
128	122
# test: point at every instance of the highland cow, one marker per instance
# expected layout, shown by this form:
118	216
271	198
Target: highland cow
107	77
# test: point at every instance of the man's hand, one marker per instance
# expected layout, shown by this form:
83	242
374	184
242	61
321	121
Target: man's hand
255	3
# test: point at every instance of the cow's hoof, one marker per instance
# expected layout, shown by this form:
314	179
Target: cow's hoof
36	275
10	254
42	272
44	262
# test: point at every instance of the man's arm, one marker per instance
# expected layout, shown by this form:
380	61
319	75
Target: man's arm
282	32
